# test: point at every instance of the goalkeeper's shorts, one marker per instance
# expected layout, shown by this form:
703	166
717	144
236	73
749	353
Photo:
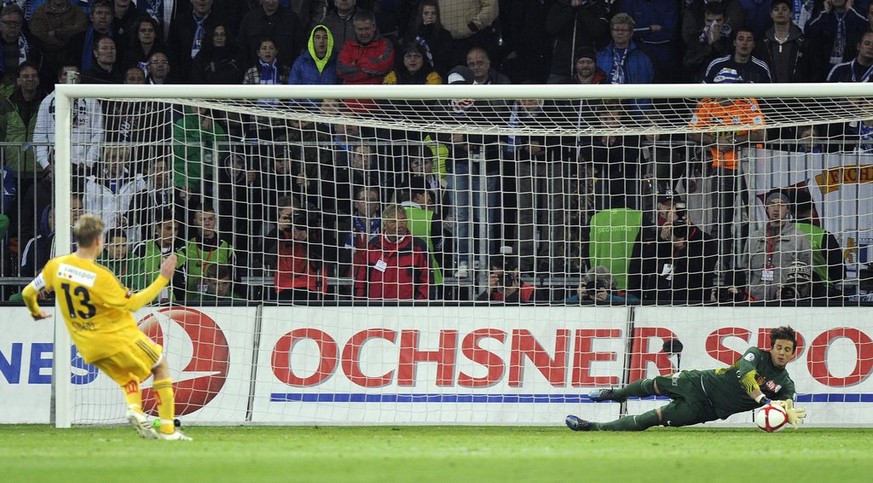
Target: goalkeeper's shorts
137	359
689	403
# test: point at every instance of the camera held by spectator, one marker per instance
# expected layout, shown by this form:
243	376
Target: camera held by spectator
797	283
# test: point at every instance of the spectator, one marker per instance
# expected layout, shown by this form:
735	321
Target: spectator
479	63
712	40
722	148
164	12
340	21
424	223
771	249
292	252
241	205
471	24
189	29
529	158
679	267
427	29
134	75
317	63
18	113
367	58
17	45
39	249
416	68
156	197
196	136
365	223
80	47
124	17
657	33
831	35
54	23
615	238
116	256
144	41
858	69
219	287
268	70
87	129
599	287
395	265
147	255
205	248
694	13
828	268
104	69
742	66
616	159
505	284
783	46
270	20
622	61
218	62
576	24
159	69
109	190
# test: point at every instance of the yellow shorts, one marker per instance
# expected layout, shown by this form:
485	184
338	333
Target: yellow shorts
136	359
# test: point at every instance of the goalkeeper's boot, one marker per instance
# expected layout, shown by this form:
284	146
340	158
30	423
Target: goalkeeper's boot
141	424
175	436
577	424
604	395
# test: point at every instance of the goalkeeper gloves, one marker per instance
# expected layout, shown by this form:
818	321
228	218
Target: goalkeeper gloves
795	415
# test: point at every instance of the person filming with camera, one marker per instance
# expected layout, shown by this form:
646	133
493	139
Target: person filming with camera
599	287
679	266
504	284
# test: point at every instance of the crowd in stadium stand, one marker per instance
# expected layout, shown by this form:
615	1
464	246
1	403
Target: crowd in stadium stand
327	221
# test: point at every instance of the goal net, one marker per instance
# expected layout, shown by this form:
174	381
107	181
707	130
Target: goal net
472	254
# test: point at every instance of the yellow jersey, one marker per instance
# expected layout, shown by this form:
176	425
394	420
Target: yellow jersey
97	308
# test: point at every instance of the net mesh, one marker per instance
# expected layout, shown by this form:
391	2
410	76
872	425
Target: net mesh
331	251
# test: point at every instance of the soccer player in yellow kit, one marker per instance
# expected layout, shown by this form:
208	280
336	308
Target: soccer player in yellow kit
98	312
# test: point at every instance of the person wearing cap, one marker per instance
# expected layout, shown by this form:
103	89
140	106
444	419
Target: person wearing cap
741	66
574	24
771	249
783	44
585	68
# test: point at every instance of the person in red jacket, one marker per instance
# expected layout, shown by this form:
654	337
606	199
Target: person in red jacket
395	265
367	58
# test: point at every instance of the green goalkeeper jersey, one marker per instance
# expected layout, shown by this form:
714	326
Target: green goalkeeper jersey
725	388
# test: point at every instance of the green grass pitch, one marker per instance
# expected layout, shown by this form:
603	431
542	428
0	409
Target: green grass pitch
438	454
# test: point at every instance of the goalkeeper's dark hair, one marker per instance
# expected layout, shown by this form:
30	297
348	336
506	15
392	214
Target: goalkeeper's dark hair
783	333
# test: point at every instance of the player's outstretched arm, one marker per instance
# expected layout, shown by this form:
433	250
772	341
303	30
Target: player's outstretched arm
30	294
139	299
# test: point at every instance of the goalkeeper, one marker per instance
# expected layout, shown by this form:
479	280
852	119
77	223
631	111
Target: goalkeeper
758	377
97	310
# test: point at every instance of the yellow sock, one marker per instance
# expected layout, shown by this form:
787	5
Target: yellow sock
132	394
163	389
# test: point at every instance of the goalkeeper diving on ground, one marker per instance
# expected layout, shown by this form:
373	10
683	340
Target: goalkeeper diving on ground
98	312
759	377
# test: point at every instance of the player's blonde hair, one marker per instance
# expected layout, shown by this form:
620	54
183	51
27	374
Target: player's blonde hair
88	230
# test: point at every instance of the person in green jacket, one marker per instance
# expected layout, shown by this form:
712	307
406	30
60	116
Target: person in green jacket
18	121
147	256
205	248
196	140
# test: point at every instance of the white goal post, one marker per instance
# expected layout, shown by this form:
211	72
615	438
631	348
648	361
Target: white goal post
347	358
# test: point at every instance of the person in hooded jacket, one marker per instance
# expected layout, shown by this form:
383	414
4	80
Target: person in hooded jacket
317	63
219	61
